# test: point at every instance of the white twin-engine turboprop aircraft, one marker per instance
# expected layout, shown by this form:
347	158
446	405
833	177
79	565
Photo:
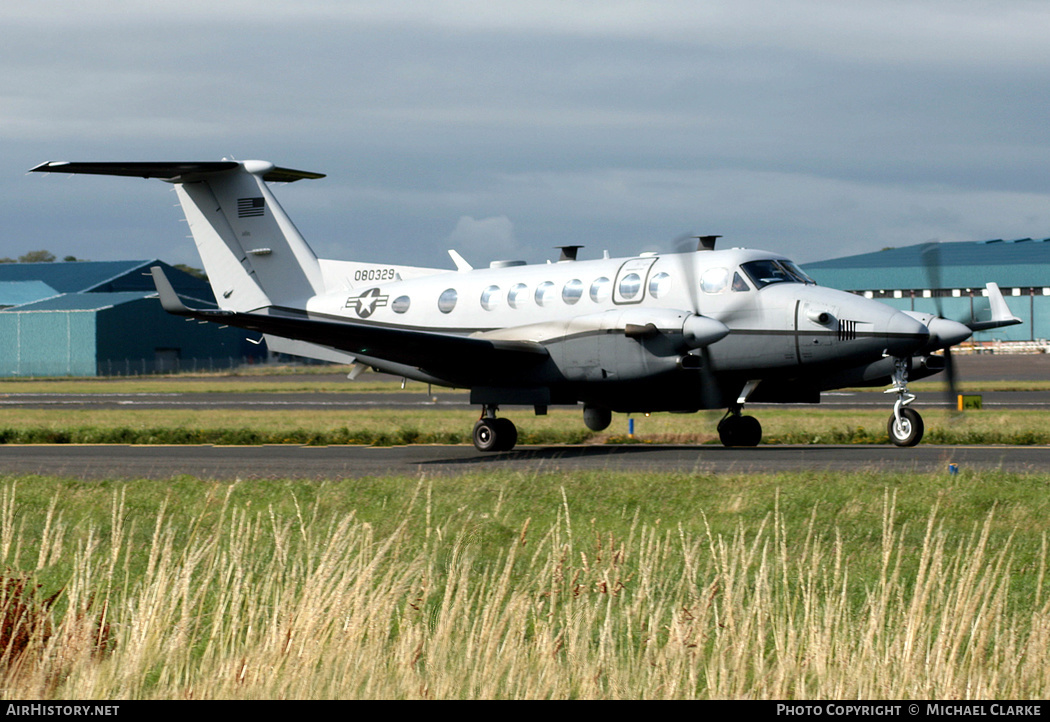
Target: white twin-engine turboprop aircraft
706	329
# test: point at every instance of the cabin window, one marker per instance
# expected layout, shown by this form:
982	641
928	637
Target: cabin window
447	300
601	290
572	291
545	294
714	280
660	285
630	285
401	304
491	298
519	293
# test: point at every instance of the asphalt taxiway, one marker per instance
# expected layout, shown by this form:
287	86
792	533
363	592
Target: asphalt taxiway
341	462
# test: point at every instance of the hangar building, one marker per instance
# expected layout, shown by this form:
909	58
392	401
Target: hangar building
102	318
902	277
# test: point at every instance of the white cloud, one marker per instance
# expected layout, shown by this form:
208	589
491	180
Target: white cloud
483	240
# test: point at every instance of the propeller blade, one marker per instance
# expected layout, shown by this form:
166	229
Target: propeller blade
931	261
686	247
945	333
950	377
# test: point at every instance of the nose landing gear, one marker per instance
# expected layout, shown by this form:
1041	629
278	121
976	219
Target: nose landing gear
905	426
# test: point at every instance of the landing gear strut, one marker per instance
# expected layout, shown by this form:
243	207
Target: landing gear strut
492	434
905	426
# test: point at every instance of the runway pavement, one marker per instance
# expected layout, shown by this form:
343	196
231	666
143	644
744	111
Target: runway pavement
336	462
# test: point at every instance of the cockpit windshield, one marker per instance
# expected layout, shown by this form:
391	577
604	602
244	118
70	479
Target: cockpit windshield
797	272
764	273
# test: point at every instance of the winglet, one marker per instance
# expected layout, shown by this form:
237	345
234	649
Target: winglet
1001	315
1000	311
169	300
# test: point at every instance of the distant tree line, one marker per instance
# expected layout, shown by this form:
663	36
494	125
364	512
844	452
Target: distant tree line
38	257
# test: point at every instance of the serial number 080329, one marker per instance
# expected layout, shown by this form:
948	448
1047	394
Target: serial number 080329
375	274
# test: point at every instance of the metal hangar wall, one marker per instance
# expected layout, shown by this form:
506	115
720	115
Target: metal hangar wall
102	318
953	276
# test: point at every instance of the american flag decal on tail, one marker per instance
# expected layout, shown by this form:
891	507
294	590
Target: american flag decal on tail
251	207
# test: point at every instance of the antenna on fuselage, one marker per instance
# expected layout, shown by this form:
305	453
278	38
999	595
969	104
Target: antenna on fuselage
706	243
568	253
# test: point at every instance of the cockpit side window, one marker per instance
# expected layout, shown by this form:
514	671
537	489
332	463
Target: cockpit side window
739	284
764	273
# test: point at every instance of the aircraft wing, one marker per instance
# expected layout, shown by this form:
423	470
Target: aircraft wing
463	359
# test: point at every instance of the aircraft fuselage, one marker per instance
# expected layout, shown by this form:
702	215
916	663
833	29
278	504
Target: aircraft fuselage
778	325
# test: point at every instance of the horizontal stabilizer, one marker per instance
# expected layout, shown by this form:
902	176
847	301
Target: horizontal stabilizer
175	172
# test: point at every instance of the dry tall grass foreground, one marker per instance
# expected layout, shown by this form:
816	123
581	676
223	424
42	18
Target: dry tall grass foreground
245	604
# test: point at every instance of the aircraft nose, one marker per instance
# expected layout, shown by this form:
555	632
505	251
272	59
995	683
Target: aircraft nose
904	334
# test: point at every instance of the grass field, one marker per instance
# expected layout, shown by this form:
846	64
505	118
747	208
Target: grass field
796	586
435	425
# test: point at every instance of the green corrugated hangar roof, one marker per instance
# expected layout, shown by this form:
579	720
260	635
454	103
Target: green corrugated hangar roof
15	293
55	278
83	301
1020	263
78	276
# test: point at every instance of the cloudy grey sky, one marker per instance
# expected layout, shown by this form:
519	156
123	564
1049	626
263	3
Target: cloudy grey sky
503	128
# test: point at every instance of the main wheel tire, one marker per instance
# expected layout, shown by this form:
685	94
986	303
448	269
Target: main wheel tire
486	435
596	419
749	432
506	434
910	430
740	431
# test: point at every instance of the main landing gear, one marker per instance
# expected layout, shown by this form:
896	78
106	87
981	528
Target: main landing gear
905	426
735	429
493	434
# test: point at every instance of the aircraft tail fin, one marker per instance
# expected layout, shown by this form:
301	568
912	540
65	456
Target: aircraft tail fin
252	252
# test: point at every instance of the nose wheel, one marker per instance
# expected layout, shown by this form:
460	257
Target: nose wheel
494	434
905	426
908	430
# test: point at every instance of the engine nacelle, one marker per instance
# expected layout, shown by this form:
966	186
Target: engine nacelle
625	344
